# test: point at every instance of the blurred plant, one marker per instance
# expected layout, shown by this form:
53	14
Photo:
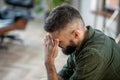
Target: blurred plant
38	7
54	3
58	2
37	1
50	3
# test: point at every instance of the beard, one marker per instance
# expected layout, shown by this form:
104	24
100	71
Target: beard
70	48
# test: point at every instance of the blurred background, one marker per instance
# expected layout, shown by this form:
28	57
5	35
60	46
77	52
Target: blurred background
22	33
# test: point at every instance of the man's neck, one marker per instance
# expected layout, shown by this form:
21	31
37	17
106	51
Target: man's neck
85	32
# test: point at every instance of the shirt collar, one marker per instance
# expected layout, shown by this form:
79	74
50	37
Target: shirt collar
89	36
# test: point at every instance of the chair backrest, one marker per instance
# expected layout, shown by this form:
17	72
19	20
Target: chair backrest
118	39
21	8
20	3
119	42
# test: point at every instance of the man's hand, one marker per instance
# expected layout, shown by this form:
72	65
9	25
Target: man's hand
51	49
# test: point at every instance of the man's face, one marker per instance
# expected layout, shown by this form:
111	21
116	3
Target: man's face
70	37
69	48
66	41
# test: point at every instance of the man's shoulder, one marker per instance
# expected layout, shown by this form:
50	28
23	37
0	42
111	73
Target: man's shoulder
96	40
98	43
89	51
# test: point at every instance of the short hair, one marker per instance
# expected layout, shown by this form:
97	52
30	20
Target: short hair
60	17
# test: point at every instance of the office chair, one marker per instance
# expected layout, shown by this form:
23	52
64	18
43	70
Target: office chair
14	16
118	39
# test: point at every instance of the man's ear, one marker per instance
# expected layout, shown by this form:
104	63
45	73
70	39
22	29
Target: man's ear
76	34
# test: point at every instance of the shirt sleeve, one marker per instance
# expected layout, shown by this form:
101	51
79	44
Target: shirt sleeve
68	69
89	66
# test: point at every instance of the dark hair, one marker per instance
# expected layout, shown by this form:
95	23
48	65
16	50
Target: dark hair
61	16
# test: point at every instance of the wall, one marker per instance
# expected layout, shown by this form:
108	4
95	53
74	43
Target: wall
89	18
1	4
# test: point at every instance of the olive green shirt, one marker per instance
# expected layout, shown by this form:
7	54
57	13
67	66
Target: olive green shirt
98	58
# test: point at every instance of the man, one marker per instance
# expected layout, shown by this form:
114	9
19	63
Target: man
92	54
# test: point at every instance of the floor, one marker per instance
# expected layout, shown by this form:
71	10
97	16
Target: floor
25	60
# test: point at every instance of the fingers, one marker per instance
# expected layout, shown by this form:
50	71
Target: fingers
48	40
51	46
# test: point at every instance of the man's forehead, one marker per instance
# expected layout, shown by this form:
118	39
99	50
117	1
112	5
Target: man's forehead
54	34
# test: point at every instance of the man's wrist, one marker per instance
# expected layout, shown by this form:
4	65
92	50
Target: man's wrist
49	62
51	71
